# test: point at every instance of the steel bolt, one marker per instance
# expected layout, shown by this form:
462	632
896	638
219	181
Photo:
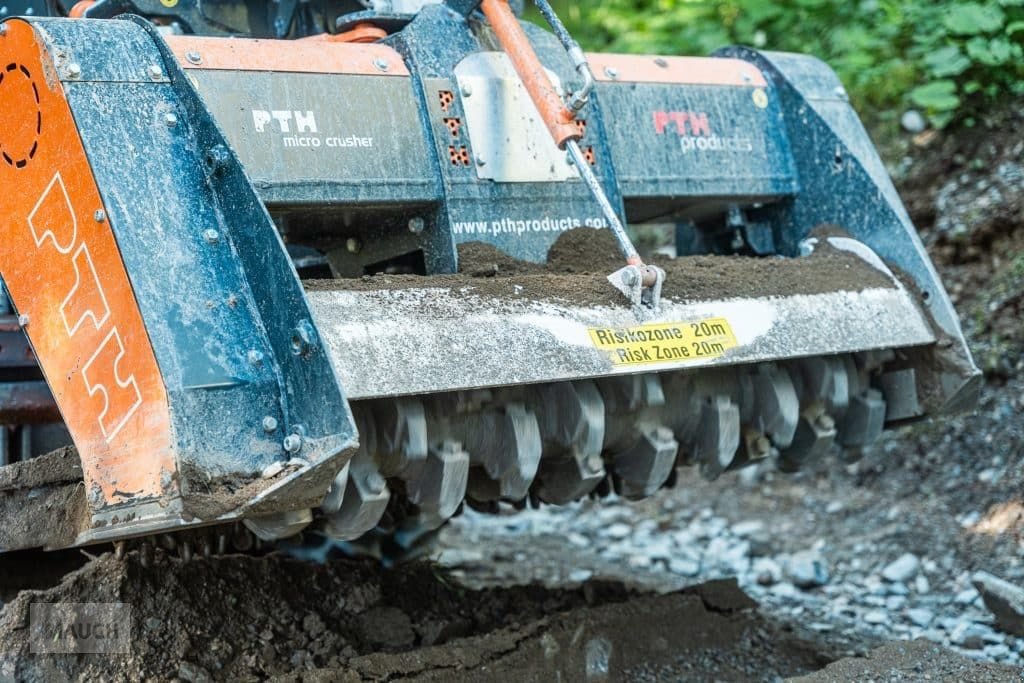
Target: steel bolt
416	225
840	92
23	320
255	357
629	278
467	90
761	447
662	62
595	463
381	64
611	72
270	424
194	57
74	70
292	443
825	422
99	215
211	236
480	161
353	245
155	72
3	28
171	120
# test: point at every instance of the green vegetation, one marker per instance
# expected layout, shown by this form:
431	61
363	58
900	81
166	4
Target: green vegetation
949	59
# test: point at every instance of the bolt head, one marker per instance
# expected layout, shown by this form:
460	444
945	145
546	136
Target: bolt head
416	225
23	320
155	72
254	357
74	70
594	463
480	161
611	72
353	245
99	215
662	62
3	30
629	278
211	236
270	424
825	422
194	57
467	90
171	120
292	443
381	64
840	92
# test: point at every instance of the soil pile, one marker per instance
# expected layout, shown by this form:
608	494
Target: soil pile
242	617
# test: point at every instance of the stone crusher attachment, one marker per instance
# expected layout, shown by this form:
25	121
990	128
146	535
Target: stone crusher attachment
235	252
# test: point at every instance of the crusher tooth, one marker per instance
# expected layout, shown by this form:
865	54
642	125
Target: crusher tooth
232	239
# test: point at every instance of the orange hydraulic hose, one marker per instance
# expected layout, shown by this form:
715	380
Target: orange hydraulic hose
553	111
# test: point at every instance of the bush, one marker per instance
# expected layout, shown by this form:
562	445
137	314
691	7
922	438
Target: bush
950	59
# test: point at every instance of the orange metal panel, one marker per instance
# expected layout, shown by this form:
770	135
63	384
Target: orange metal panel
677	70
300	56
64	272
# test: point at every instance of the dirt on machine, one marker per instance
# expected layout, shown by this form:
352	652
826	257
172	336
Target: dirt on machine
336	267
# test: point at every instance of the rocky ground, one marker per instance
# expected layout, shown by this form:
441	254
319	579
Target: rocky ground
842	572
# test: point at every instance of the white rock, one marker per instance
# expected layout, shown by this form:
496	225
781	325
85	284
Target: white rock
684	567
748	527
913	122
639	562
618	531
578	540
920	616
580	575
902	569
894	603
807	570
876	617
921	584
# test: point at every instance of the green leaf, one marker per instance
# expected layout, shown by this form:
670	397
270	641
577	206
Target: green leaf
948	61
993	52
937	96
971	19
1014	27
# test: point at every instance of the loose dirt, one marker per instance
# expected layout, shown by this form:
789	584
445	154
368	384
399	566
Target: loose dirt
580	261
243	617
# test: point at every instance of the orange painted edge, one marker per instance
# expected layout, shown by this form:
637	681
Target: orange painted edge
64	273
675	70
296	56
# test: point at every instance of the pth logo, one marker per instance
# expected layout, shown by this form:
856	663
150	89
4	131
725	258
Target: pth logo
684	122
287	120
299	129
695	134
85	310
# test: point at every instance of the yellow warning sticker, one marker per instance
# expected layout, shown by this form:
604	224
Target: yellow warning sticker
665	342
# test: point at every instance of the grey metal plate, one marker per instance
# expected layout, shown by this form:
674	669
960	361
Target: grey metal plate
510	142
321	131
386	343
